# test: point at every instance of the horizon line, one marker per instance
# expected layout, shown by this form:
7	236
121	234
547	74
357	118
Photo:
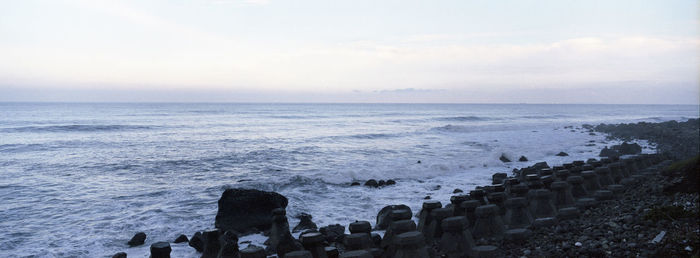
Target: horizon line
331	103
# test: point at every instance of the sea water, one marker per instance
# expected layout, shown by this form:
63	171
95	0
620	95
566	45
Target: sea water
78	180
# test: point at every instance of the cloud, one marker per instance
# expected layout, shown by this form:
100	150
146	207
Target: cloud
365	65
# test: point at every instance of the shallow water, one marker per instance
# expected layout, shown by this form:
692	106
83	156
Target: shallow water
78	180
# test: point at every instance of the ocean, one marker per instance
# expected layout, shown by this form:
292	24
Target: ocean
79	180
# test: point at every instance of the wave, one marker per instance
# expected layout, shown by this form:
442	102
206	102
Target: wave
365	136
465	118
73	128
13	148
451	128
545	116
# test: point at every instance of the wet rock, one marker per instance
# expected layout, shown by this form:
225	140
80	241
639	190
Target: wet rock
247	210
181	239
605	152
355	184
503	158
305	223
119	255
522	159
390	182
457	190
372	183
562	154
138	239
383	218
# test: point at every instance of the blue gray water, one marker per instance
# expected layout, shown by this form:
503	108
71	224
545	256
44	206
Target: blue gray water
78	180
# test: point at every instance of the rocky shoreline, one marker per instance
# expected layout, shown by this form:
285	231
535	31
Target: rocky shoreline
618	205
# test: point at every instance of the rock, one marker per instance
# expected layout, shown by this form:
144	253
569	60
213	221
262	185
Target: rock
628	149
247	210
390	182
562	154
381	183
457	190
333	233
181	239
304	223
383	218
427	197
522	159
605	152
119	255
138	239
372	183
503	158
160	250
197	242
354	183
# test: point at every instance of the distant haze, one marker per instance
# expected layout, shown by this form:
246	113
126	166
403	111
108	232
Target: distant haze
350	51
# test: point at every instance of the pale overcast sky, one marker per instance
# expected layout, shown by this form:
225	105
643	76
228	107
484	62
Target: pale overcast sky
351	51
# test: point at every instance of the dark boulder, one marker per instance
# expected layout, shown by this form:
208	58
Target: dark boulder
197	242
355	184
138	239
305	223
605	152
540	165
181	239
247	210
522	159
372	183
627	148
390	182
503	158
383	218
562	154
119	255
457	190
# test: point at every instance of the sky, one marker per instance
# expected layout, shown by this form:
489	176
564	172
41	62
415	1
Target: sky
518	51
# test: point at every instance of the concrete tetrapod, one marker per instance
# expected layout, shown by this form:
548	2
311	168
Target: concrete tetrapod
541	206
517	213
469	208
397	227
456	240
604	176
313	242
424	216
488	223
561	194
434	231
411	245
